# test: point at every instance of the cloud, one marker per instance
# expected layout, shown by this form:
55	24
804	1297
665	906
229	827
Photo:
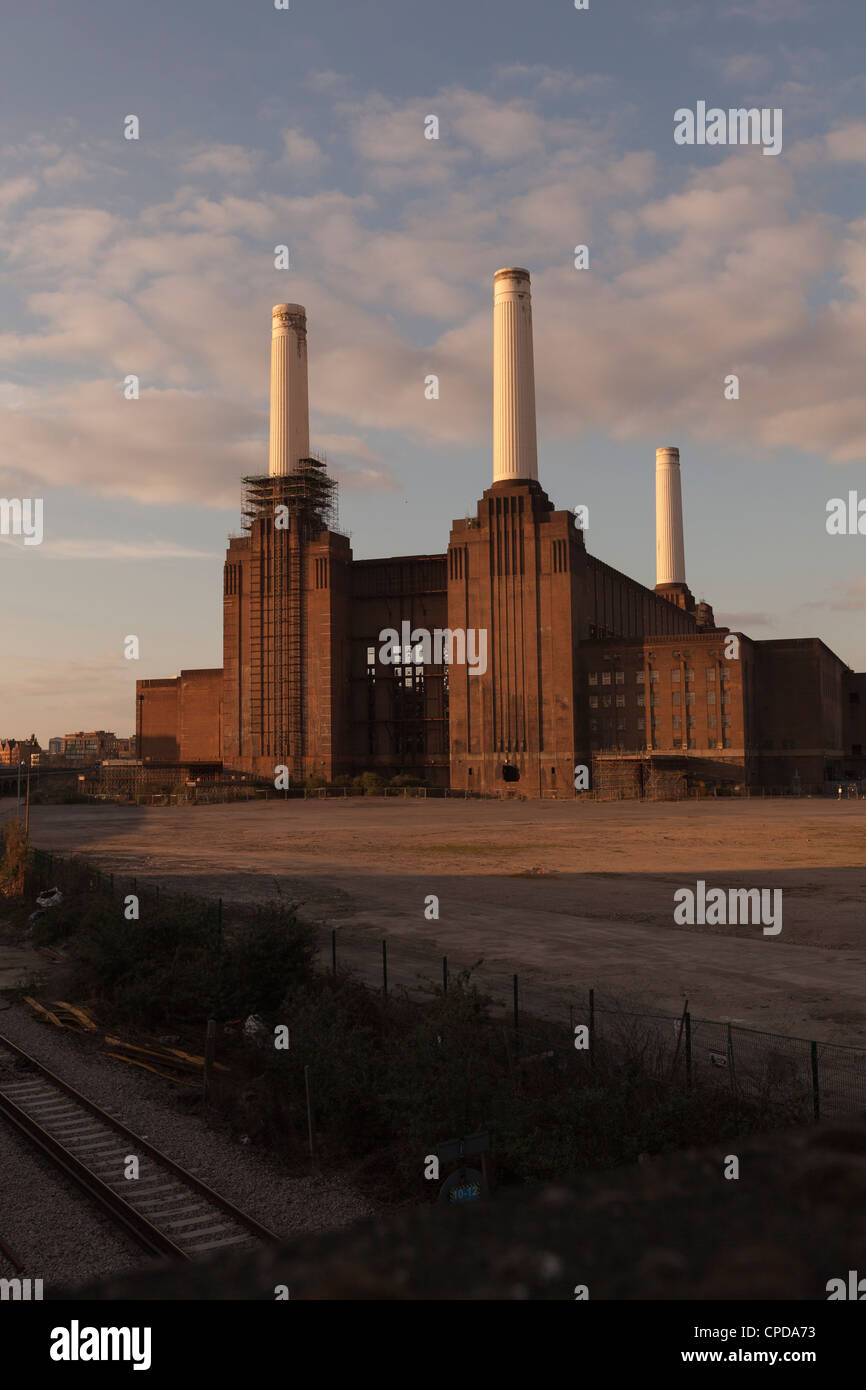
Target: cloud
843	597
98	548
847	144
766	12
14	191
742	622
301	152
229	161
746	69
696	271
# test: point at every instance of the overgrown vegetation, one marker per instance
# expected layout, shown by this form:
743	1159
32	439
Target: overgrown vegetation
390	1079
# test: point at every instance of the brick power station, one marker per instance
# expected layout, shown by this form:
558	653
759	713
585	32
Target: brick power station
584	666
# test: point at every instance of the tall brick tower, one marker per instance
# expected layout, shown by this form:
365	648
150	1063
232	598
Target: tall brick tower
517	570
286	593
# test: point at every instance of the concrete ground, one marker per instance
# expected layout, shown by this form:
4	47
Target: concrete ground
570	895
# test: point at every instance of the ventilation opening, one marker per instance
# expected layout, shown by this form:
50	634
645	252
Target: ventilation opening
509	773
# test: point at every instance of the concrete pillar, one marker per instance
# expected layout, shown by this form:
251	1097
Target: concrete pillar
290	417
670	554
515	452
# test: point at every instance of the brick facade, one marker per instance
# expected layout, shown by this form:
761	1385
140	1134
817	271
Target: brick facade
584	665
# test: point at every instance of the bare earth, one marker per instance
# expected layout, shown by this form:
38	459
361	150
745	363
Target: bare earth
569	895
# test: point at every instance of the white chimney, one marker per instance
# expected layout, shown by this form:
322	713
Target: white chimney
670	554
290	418
515	452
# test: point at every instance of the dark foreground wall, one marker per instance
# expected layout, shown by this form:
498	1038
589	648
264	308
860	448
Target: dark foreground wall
671	1228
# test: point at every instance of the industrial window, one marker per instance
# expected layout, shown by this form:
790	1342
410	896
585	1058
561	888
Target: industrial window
620	702
690	673
641	723
654	699
691	743
675	697
691	721
711	697
605	700
371	656
620	724
726	697
620	677
690	697
675	675
726	720
641	700
592	677
605	677
593	702
678	723
640	677
711	721
654	674
711	674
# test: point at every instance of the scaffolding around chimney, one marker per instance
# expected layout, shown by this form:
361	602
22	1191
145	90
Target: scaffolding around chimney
308	493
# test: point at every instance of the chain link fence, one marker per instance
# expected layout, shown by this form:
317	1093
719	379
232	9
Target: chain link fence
807	1079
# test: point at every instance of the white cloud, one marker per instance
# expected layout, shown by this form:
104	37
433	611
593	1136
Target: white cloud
711	272
300	152
228	161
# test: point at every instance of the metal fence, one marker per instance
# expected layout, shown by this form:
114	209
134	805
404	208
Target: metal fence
807	1079
810	1080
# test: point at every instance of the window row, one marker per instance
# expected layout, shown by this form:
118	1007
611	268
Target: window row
618	677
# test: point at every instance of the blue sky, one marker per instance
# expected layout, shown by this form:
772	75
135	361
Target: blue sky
305	127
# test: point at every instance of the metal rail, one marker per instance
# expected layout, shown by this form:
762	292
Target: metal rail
166	1209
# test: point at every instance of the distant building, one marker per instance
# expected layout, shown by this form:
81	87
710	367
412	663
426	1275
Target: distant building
55	747
89	747
14	751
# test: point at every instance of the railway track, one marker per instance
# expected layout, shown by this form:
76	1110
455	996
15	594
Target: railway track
166	1209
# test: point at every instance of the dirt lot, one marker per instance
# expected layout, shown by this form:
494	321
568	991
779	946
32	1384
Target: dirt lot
570	895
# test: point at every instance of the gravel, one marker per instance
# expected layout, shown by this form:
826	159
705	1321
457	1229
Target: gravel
50	1225
46	1220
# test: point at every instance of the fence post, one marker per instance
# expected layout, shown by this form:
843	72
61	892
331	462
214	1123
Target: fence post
816	1094
209	1049
688	1019
309	1113
444	975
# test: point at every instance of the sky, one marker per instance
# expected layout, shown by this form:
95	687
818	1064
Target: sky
304	127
